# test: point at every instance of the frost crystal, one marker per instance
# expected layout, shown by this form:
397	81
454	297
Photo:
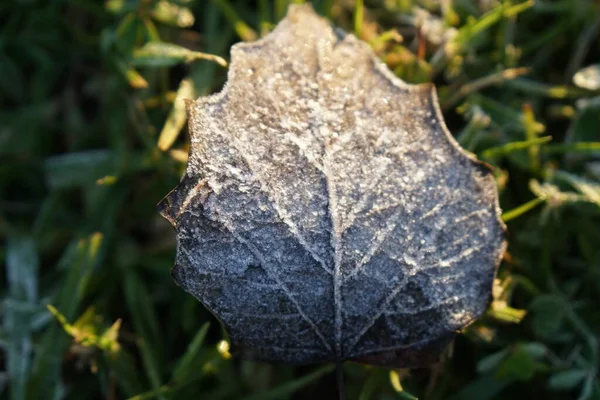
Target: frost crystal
326	213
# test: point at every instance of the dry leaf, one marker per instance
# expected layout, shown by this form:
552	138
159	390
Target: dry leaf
326	213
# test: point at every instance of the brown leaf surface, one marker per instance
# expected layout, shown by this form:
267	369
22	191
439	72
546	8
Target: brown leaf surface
327	214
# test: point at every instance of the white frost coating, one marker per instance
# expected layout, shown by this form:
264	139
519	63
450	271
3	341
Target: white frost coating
326	212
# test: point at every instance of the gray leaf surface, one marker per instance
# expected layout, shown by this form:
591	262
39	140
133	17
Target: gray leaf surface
326	213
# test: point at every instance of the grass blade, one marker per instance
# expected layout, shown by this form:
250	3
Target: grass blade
241	28
80	258
177	117
359	17
22	278
522	209
507	148
578	147
292	386
146	327
183	370
161	54
496	78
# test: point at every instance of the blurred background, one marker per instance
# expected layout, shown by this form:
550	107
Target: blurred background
93	134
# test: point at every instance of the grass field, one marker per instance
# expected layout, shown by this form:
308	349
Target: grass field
93	134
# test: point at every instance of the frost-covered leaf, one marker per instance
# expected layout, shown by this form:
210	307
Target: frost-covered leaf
326	213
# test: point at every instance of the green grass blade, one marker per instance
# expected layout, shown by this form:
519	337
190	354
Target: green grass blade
264	13
292	386
79	168
183	370
578	147
280	9
503	10
508	148
241	28
80	258
146	327
473	28
359	17
522	209
325	7
162	54
531	87
126	372
22	279
496	78
177	117
371	384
